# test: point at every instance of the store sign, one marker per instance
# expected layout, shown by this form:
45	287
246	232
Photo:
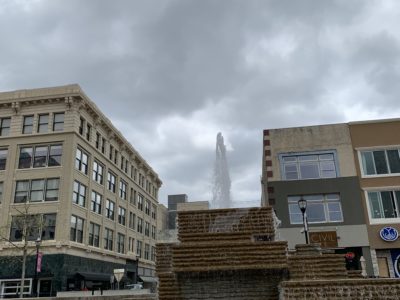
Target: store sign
389	234
396	262
327	239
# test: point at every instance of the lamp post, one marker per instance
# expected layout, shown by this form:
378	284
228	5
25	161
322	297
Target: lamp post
35	281
303	206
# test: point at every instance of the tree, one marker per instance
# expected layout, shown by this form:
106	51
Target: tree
22	229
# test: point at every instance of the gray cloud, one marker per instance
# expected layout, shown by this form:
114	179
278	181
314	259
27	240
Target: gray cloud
171	74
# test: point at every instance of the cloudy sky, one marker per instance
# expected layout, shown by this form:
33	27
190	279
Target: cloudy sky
171	74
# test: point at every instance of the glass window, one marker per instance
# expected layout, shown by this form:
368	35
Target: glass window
3	158
122	189
146	251
139	249
34	226
5	126
108	239
55	155
121	215
76	232
81	161
43	123
110	207
95	204
379	162
139	225
1	192
147	207
58	122
111	179
27	127
88	131
320	209
40	156
37	190
311	166
132	218
49	228
121	243
384	204
81	126
97	172
140	201
94	235
21	191
146	228
79	193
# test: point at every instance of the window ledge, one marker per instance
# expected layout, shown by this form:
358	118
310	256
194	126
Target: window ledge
384	221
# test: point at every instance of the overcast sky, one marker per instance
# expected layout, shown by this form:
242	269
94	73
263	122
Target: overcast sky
172	74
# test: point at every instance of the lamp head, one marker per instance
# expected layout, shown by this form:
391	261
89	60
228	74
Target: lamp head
302	205
38	241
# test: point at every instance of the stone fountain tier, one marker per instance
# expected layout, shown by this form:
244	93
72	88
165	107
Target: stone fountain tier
346	289
223	256
226	224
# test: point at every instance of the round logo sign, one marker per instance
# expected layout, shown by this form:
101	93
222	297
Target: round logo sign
389	234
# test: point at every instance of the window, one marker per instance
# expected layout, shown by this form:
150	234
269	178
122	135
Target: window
110	207
153	253
139	225
81	161
58	122
132	218
131	244
146	251
36	190
384	204
108	239
140	201
97	172
43	226
147	207
5	126
122	162
1	192
320	209
94	235
27	126
3	158
98	139
40	156
111	153
43	123
95	204
76	233
379	162
132	199
115	156
111	179
146	228
79	193
121	243
122	189
81	125
139	249
154	212
88	131
153	232
103	145
121	215
309	166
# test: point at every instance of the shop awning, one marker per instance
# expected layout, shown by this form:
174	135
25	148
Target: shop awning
94	276
148	279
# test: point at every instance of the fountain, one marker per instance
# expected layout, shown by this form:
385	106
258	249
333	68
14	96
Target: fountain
222	181
233	254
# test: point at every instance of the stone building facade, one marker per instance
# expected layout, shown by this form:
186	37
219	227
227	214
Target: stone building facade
61	159
326	166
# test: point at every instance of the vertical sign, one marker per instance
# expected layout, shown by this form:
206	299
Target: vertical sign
39	262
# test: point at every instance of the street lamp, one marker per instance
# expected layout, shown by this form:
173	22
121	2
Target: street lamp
303	206
35	281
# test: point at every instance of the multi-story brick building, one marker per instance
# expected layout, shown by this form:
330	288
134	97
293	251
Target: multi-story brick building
96	195
376	147
349	175
316	163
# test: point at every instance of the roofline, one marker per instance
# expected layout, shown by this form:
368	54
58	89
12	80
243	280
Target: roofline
69	90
